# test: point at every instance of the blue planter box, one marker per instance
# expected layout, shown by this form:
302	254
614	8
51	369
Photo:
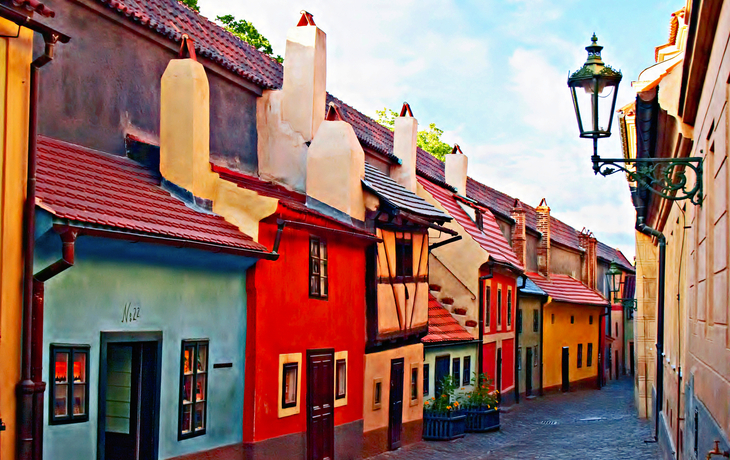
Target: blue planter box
481	419
444	426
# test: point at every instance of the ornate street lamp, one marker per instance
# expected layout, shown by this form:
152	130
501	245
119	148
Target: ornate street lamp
594	88
615	286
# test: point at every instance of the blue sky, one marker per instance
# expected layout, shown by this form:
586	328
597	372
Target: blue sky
492	74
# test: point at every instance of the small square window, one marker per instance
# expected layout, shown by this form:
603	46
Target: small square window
488	306
289	385
193	388
69	400
456	370
552	318
377	393
466	377
572	319
341	383
535	320
318	273
519	321
590	319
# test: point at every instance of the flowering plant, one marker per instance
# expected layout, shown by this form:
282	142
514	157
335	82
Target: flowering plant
445	401
481	395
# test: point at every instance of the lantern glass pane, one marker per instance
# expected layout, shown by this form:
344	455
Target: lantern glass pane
584	108
605	106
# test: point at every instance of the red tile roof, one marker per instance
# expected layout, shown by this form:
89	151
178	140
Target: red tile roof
610	254
563	288
442	327
490	239
34	5
171	19
87	186
258	185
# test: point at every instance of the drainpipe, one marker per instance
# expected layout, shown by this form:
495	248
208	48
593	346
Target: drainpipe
601	346
480	354
645	229
29	439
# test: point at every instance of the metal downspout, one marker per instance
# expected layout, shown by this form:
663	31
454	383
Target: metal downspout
28	446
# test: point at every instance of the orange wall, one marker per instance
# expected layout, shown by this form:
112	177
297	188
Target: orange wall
283	319
561	333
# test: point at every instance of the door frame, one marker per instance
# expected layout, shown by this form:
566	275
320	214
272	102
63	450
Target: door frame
310	353
126	337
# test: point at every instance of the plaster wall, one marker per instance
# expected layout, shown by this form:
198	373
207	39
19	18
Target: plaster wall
531	256
617	333
97	109
15	58
565	262
184	294
559	333
529	338
377	366
453	351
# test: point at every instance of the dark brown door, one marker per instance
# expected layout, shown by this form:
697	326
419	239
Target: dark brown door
320	404
498	382
566	369
395	407
528	371
631	357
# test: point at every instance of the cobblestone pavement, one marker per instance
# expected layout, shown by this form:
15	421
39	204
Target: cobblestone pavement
587	424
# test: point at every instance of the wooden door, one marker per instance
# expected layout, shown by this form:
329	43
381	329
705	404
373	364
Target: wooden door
566	369
395	406
320	404
442	370
528	371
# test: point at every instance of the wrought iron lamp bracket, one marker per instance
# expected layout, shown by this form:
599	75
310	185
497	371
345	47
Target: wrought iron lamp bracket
665	177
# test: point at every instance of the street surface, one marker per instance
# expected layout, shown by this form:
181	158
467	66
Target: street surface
587	424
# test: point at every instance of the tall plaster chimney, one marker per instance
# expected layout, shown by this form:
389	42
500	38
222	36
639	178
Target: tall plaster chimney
588	242
456	166
543	246
519	232
185	123
336	166
404	147
305	76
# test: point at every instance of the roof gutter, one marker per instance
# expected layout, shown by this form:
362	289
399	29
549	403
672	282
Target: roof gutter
30	389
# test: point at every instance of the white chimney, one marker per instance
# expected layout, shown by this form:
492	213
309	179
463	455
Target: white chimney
185	122
336	166
456	165
404	147
305	75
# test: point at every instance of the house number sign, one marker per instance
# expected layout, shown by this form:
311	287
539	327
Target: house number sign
130	313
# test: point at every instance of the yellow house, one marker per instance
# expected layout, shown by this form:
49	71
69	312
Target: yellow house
16	54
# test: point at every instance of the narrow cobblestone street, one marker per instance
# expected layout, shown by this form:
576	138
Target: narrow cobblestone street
586	424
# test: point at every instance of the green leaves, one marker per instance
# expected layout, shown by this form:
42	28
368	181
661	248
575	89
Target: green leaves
248	33
192	4
429	140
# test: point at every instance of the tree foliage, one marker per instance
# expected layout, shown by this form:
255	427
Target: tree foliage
248	33
428	139
192	4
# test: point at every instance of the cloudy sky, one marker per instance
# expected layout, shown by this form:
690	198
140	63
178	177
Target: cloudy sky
492	74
